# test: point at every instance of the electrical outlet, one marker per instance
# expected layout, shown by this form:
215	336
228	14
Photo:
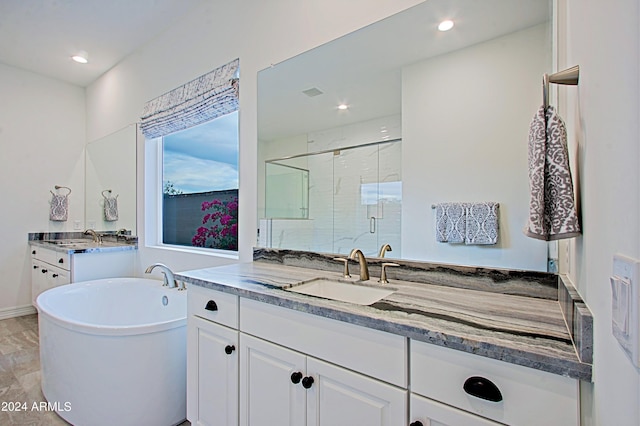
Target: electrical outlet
91	224
77	225
625	319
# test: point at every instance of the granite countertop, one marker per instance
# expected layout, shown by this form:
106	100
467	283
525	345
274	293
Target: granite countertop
84	245
521	330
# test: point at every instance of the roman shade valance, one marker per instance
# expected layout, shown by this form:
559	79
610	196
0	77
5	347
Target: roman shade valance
209	96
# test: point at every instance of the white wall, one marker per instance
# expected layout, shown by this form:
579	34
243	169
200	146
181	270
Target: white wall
42	136
602	115
465	120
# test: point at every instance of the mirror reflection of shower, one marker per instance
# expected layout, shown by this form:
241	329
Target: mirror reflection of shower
334	200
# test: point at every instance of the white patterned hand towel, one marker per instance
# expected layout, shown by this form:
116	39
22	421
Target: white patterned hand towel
450	222
59	205
552	210
110	207
482	223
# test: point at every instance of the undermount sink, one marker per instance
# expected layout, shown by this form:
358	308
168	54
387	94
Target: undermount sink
344	291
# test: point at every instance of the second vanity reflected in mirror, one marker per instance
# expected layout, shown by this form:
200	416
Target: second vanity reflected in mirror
428	117
110	177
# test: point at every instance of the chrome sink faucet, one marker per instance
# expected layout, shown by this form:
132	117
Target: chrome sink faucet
169	279
364	269
97	238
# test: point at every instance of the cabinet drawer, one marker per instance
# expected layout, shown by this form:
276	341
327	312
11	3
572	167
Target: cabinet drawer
529	397
213	305
425	412
372	352
56	258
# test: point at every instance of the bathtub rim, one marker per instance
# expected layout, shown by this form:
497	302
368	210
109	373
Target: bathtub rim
44	310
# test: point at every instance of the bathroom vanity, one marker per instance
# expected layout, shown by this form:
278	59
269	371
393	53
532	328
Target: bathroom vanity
258	353
59	261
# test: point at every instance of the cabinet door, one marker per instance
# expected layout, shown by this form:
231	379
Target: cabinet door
44	277
268	394
426	412
38	280
341	397
212	373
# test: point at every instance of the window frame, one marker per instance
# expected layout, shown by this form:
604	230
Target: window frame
153	210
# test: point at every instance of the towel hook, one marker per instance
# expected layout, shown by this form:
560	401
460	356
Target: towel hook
570	76
63	187
106	190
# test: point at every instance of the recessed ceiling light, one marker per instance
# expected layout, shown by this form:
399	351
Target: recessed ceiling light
343	106
445	25
81	57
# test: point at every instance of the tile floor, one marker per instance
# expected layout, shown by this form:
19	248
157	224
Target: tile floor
20	374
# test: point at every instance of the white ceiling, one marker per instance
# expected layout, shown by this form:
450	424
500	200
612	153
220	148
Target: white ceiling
363	68
42	35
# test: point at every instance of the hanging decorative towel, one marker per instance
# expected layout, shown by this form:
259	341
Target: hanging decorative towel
450	222
59	205
552	210
482	223
110	206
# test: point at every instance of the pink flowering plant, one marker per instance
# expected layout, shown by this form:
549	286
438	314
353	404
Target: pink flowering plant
220	225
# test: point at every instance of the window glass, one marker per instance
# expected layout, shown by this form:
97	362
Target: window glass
200	185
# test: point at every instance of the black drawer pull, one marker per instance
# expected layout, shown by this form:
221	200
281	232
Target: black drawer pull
211	306
482	388
61	260
229	349
33	252
44	271
55	275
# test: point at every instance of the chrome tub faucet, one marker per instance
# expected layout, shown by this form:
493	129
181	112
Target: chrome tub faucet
169	279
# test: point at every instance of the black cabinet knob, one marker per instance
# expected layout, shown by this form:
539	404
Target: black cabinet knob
44	271
61	260
307	382
35	266
33	252
229	349
55	275
211	306
483	388
296	377
416	423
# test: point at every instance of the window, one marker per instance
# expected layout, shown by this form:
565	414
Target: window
200	185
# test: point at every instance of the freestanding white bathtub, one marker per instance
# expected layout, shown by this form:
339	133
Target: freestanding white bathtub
113	352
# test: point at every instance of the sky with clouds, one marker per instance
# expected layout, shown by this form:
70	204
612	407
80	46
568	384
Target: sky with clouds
203	158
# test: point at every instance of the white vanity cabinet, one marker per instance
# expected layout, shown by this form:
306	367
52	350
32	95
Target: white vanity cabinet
212	358
458	379
294	373
51	268
48	271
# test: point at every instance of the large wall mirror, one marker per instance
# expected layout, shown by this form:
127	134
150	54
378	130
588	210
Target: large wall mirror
110	173
427	117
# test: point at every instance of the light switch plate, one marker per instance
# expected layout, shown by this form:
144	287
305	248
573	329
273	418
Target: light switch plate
625	321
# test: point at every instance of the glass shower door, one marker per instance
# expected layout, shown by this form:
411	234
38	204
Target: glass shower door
356	200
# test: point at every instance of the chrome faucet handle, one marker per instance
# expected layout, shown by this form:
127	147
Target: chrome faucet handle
383	274
345	270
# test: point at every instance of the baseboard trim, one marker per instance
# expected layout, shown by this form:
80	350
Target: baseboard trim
17	311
